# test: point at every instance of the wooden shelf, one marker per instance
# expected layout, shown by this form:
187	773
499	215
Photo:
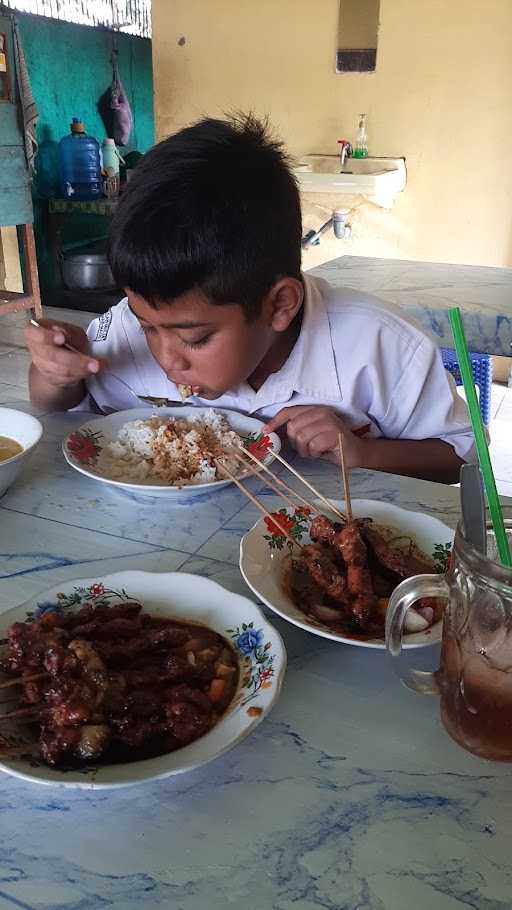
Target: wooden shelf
86	207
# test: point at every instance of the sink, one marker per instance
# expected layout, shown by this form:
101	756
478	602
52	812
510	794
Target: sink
378	178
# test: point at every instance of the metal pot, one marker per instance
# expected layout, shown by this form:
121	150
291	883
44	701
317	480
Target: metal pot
86	271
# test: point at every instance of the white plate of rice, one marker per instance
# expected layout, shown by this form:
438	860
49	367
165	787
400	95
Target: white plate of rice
168	451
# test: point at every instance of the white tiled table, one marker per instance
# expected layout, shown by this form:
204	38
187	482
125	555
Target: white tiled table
427	290
349	796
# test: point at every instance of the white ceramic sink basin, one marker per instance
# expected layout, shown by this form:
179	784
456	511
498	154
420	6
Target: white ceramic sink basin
377	178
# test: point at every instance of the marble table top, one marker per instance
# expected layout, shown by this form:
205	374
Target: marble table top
427	290
349	796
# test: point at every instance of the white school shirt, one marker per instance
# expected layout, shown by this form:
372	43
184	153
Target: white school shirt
355	353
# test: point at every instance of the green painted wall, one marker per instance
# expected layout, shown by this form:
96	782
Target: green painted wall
69	68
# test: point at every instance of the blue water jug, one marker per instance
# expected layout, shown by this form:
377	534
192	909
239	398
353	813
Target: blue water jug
80	168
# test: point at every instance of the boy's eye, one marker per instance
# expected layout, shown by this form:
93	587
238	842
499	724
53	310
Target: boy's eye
196	344
147	329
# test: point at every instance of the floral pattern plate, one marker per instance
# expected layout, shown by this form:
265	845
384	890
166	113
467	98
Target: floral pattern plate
83	446
174	594
264	553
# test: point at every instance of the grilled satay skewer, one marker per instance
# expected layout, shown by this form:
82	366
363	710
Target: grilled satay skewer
354	552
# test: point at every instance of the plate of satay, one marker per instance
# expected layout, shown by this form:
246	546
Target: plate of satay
330	567
171	452
136	676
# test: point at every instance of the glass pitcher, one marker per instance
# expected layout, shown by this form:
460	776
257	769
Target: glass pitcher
474	680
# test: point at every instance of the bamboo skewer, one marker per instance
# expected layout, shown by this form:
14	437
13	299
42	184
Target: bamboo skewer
309	486
19	681
269	484
279	481
15	751
344	474
20	712
272	486
256	502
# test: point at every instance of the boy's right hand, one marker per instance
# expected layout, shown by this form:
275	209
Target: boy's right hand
60	367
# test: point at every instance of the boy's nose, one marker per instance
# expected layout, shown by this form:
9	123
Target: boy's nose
174	363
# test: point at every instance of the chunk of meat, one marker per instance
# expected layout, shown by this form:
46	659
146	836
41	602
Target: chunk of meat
187	721
359	579
72	713
128	610
134	734
389	558
93	741
55	745
59	660
33	691
116	628
27	644
324	572
86	743
91	662
323	530
72	701
148	640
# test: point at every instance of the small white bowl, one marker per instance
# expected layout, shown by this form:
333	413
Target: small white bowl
26	430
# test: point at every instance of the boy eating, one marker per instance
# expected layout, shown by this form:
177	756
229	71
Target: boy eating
206	241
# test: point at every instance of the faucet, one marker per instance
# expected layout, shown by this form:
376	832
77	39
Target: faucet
345	151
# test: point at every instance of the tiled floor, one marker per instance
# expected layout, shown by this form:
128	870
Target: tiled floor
14	369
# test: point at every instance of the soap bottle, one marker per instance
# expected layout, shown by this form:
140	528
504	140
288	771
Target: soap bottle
361	144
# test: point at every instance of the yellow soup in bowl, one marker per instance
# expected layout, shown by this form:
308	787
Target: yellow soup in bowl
9	448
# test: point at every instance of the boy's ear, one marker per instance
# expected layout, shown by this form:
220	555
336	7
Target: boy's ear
283	302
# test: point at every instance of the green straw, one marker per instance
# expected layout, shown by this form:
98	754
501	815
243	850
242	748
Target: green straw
480	436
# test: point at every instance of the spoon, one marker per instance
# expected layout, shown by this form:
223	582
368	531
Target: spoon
473	507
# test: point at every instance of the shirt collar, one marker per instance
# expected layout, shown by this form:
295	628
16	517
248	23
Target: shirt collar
311	368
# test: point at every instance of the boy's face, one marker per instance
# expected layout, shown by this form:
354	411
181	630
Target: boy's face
214	348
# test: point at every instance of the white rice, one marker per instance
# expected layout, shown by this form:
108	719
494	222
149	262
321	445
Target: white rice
170	451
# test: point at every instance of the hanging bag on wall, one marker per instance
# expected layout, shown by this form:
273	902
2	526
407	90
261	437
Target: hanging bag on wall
115	109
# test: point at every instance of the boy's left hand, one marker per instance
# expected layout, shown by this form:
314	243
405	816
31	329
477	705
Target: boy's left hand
313	431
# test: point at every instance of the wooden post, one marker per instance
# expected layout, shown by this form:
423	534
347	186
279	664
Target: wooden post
33	290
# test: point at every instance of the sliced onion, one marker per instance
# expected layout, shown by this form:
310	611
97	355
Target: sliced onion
326	614
415	622
427	613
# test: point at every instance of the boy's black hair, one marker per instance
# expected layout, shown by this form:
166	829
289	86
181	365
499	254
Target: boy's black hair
213	207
